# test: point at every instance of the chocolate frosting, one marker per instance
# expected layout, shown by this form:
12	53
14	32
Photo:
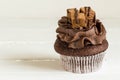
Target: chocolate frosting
81	36
63	49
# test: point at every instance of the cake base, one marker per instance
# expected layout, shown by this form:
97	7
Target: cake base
63	49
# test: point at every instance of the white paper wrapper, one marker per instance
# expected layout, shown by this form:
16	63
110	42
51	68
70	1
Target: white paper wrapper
86	64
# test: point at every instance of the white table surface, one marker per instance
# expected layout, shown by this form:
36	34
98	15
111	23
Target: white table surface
27	53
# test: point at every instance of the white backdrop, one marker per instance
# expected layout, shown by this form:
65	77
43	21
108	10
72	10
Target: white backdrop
55	8
27	33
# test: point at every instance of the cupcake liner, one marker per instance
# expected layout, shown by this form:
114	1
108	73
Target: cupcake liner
82	64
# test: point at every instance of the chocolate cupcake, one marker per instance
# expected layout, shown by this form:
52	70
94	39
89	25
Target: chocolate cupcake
81	40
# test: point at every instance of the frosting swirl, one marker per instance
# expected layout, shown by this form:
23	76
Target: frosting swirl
81	35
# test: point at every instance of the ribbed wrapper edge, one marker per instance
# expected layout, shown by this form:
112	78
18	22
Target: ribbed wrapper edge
82	64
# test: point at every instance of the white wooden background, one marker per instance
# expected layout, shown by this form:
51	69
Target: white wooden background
27	36
55	8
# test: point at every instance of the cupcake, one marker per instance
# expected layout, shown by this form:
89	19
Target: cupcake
81	40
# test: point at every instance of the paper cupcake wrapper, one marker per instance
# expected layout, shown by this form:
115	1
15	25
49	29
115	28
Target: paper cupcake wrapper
85	64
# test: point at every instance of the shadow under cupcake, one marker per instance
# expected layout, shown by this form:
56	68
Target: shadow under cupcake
81	41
